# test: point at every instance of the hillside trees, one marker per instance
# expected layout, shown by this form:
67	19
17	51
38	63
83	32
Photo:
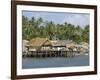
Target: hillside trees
32	28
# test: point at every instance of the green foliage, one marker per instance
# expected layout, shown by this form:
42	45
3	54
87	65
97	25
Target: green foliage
38	28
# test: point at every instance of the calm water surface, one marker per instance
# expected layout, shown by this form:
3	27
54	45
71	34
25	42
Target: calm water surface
28	63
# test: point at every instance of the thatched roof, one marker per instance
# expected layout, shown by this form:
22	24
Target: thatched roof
71	45
60	42
84	43
38	42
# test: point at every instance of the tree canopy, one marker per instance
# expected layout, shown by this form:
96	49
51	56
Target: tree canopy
32	28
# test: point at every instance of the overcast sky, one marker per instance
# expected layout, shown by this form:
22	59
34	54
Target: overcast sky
81	19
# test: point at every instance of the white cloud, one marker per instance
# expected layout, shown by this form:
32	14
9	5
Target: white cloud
77	19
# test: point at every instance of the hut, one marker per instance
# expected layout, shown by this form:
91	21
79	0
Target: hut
85	47
37	44
60	44
71	46
84	44
24	48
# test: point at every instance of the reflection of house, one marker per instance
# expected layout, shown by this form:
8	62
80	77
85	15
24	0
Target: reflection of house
39	44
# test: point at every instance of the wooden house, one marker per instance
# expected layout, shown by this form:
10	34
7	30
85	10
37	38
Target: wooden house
24	48
38	44
59	44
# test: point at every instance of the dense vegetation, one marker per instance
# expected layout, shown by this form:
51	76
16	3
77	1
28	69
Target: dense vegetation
32	28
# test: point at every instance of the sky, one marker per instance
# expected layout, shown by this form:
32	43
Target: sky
81	19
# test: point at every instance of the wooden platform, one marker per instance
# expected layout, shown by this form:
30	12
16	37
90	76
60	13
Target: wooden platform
51	54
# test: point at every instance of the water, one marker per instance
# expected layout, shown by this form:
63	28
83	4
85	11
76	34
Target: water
28	63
